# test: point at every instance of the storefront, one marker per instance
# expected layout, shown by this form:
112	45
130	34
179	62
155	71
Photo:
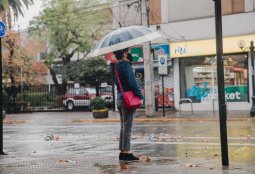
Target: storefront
138	67
195	69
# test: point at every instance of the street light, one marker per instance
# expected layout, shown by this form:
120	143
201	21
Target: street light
241	45
221	85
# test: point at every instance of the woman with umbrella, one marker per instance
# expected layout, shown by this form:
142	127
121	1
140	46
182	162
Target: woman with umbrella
128	82
119	42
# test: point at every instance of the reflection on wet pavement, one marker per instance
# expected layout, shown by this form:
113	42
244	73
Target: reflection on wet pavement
173	146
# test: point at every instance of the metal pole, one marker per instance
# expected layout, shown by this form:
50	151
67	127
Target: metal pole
252	112
221	85
1	101
21	78
163	93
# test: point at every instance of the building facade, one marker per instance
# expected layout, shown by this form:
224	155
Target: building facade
188	27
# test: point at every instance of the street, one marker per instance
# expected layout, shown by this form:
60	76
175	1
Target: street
74	142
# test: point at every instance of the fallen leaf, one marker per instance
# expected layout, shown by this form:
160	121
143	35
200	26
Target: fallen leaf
144	158
56	138
63	161
67	161
189	165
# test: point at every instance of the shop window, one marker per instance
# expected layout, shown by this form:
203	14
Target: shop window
168	85
198	78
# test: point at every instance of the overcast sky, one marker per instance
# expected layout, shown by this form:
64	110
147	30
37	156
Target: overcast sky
34	10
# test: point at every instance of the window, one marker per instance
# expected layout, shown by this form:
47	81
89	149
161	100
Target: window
232	6
198	78
155	11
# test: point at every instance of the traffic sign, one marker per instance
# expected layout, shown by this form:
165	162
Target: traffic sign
162	64
2	29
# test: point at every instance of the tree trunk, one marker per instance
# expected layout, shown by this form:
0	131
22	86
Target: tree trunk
55	81
97	88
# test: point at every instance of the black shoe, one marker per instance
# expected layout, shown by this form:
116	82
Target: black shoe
127	157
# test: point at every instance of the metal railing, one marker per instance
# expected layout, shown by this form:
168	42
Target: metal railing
186	100
213	100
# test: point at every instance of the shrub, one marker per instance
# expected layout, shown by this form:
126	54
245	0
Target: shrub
97	103
37	98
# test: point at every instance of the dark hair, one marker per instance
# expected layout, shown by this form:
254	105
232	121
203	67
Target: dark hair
119	53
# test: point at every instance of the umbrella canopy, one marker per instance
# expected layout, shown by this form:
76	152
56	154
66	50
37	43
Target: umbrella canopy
123	38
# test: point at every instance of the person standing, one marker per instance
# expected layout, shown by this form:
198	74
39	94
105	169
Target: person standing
128	81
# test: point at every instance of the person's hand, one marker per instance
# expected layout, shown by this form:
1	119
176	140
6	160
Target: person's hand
141	101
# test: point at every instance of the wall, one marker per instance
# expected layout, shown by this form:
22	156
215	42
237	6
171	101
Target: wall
126	13
249	5
233	25
189	9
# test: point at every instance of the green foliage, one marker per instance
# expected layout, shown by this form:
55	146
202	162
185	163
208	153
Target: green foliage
88	71
97	103
45	99
69	27
38	98
15	5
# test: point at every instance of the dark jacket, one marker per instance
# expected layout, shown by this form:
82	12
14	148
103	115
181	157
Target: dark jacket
127	78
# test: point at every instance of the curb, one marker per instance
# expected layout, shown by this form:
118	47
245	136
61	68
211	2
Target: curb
162	120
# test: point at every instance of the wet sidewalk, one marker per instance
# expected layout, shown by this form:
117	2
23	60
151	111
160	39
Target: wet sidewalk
183	144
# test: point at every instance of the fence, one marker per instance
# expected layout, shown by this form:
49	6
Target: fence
46	98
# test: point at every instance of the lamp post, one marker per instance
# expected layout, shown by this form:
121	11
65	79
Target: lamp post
241	44
252	112
221	85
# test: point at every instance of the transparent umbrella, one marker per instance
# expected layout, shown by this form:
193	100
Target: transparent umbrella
123	38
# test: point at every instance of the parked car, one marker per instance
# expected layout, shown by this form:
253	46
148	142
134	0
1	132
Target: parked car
106	93
81	96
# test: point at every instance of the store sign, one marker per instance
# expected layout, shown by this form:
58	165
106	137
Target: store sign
232	93
160	50
137	53
162	64
236	93
208	47
197	92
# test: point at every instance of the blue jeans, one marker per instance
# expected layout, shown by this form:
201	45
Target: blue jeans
126	122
